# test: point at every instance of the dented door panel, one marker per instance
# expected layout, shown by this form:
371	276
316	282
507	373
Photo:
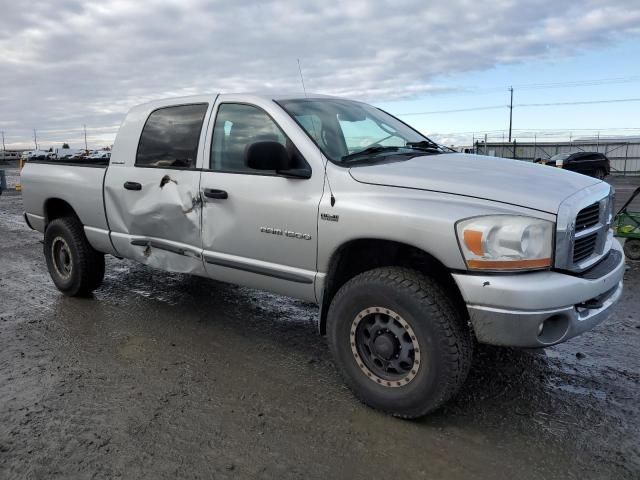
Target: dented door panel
166	210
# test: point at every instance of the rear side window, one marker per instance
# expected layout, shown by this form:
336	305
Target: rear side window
170	137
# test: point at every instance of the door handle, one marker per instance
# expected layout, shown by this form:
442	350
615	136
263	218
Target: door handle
132	186
213	193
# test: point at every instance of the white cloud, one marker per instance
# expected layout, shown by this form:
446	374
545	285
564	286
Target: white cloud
65	63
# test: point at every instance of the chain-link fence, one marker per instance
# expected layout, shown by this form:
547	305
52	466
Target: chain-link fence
624	155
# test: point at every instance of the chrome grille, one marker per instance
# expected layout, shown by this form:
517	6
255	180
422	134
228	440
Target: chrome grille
584	247
588	217
582	234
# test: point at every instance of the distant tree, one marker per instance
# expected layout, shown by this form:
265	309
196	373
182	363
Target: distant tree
51	149
65	145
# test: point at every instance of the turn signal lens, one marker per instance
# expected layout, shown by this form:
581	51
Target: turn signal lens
506	242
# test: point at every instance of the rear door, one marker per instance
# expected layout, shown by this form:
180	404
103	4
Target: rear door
260	230
152	200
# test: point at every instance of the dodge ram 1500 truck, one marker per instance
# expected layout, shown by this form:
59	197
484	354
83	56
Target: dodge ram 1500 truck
412	252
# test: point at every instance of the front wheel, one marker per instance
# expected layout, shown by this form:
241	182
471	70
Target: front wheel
398	341
632	248
75	267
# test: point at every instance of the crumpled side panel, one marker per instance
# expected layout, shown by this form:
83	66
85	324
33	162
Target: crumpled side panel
162	218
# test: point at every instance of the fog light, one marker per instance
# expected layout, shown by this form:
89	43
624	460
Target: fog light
553	329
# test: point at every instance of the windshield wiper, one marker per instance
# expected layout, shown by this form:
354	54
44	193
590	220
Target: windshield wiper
369	151
425	145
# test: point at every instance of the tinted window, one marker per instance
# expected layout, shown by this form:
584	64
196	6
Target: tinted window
170	137
236	127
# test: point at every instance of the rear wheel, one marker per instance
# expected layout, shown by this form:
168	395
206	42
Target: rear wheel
632	248
75	267
398	341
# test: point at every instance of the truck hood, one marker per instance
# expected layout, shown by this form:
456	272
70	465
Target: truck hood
515	182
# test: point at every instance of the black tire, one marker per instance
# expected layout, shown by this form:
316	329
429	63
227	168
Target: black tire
632	248
422	308
75	267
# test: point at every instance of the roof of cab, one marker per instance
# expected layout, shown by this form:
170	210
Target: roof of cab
164	102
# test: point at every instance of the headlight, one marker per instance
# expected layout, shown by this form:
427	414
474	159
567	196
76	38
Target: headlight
506	242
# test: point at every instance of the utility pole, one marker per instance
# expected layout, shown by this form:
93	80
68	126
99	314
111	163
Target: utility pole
85	137
35	138
3	147
510	112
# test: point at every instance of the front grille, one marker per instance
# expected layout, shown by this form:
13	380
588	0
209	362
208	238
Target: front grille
582	234
588	217
584	247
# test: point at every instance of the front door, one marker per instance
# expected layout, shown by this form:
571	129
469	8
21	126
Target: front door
259	228
153	201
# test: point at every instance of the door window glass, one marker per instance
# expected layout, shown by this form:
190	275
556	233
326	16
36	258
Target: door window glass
170	137
236	127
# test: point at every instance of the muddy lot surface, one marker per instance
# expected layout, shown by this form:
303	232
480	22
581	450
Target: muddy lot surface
166	376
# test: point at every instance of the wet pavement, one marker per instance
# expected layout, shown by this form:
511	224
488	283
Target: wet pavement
169	376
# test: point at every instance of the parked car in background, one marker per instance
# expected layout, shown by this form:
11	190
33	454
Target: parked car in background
594	164
8	155
38	155
99	155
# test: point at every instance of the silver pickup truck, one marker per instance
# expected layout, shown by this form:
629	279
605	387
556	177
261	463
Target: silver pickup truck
413	252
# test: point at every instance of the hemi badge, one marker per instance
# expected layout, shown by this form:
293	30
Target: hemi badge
329	217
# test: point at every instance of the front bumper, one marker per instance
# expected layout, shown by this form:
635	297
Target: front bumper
539	309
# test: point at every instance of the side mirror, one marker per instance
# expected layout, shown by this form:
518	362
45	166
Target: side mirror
267	155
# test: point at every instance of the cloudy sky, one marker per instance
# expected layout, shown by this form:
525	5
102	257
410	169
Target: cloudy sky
65	63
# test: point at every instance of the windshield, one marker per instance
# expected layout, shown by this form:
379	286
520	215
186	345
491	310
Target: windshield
344	128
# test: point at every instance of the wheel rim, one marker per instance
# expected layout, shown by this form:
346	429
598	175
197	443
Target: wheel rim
61	255
385	347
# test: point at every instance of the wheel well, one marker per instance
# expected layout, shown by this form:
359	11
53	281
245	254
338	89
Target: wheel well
358	256
57	208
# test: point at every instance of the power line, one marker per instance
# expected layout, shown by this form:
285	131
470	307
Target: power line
579	83
472	109
523	105
585	102
471	90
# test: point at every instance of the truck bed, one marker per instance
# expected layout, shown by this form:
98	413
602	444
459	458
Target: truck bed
97	162
76	183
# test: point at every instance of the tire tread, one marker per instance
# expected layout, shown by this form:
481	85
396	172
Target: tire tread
90	263
455	338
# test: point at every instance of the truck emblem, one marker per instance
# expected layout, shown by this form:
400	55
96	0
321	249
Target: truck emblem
286	233
329	217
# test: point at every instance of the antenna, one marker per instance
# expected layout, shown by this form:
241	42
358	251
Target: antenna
332	197
302	78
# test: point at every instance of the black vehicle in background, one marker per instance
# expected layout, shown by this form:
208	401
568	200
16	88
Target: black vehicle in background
593	164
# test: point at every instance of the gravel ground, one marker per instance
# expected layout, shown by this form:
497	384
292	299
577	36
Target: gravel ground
168	376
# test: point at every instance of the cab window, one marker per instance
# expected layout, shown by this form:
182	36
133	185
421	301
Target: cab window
170	137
